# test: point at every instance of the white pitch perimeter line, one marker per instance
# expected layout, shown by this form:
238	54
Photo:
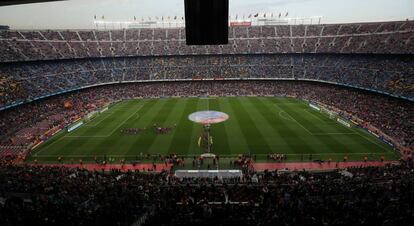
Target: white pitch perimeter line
50	144
86	136
313	134
311	113
126	120
281	115
96	124
190	155
374	143
322	134
298	122
358	133
104	136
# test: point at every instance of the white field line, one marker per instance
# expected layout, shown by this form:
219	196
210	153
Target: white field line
35	154
313	134
311	113
110	134
353	132
304	154
323	134
97	136
369	140
126	120
374	143
97	123
281	115
359	133
298	123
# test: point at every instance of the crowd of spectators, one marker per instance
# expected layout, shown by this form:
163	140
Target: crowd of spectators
392	116
385	73
359	196
379	37
36	195
41	195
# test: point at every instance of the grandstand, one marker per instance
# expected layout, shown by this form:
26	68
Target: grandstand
319	129
378	38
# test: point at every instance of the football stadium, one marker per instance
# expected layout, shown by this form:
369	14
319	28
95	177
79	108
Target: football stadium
206	112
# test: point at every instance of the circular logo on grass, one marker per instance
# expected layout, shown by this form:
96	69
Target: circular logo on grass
208	117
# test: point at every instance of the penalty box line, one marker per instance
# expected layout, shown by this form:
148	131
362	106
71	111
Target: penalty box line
297	122
94	124
359	133
113	131
313	134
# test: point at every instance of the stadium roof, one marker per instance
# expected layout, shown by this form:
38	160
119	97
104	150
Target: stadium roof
18	2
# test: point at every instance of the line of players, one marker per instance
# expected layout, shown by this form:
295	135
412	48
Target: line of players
157	129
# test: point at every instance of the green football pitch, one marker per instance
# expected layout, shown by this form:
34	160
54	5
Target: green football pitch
257	125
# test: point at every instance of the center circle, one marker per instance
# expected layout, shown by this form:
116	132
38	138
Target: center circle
208	117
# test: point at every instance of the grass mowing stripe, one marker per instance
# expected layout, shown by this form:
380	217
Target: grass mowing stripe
236	133
253	136
353	142
348	142
128	141
196	130
218	131
306	145
285	133
361	139
373	140
158	116
276	142
236	139
114	143
117	117
182	137
324	143
317	116
73	145
162	143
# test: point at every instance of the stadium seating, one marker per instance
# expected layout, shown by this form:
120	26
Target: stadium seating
389	74
41	195
380	38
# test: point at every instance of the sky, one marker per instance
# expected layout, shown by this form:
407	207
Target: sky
79	14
